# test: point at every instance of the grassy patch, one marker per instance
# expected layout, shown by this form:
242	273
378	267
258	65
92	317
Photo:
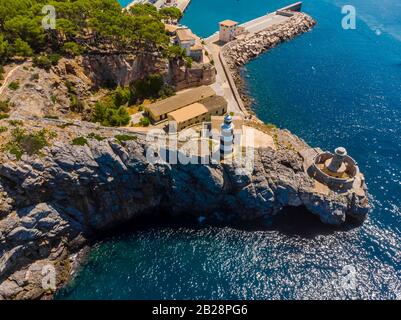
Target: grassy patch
3	129
16	123
13	85
4	116
125	137
79	141
95	136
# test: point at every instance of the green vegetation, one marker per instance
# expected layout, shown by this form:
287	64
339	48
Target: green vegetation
176	52
171	13
1	72
13	85
30	143
79	141
270	126
46	61
88	22
111	111
16	123
95	136
72	49
34	77
189	62
144	122
124	137
5	106
152	87
3	129
50	116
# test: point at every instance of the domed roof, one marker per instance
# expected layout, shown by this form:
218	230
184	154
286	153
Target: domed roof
228	119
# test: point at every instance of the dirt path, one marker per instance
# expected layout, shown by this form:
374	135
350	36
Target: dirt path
8	76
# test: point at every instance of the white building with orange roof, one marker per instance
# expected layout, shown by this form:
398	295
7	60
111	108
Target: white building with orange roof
228	30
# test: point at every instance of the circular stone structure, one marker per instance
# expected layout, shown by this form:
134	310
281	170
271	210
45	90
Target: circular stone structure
336	170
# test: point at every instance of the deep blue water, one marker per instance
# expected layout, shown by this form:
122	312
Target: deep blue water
331	87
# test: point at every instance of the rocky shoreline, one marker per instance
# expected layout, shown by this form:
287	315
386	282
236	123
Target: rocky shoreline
239	52
54	204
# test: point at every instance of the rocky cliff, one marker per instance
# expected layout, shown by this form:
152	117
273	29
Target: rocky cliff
52	204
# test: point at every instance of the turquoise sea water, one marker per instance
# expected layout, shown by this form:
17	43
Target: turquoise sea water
331	87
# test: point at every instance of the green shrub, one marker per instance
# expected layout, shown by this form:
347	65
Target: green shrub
70	87
4	106
144	122
72	49
53	98
106	113
3	129
79	141
124	137
170	13
13	85
16	123
149	87
22	142
95	136
76	104
189	62
21	48
4	116
42	62
34	77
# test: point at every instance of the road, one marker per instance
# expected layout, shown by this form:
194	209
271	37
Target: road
213	45
221	86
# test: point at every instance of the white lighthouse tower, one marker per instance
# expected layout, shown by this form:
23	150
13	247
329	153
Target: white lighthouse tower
227	138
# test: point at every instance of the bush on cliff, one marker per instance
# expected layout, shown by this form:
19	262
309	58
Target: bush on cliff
152	87
22	142
111	111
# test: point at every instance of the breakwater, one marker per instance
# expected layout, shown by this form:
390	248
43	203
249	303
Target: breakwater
249	46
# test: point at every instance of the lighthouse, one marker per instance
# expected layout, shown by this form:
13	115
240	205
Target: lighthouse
227	138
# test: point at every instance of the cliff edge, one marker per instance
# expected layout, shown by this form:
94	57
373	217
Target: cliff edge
53	203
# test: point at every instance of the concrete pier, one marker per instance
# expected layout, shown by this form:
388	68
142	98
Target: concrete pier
286	20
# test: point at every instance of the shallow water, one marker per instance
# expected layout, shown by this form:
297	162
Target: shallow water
331	87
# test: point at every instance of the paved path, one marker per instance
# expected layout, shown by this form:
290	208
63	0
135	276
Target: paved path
264	22
213	45
221	86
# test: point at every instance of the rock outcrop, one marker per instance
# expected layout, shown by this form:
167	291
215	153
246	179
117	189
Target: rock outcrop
52	204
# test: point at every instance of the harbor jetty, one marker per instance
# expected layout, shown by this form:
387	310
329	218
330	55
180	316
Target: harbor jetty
249	40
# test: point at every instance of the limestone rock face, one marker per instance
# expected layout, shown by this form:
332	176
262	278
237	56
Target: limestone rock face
53	203
121	69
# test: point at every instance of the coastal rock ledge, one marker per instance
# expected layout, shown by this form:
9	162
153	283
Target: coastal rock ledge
52	205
